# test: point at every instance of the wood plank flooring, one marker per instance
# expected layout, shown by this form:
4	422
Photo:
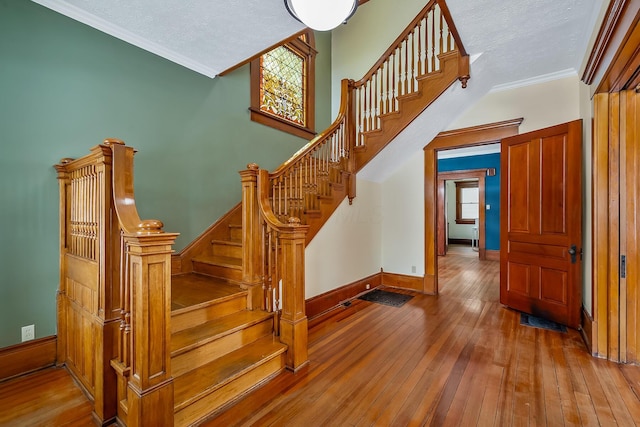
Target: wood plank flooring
456	359
459	359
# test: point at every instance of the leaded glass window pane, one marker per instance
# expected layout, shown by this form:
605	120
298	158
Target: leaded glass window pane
282	84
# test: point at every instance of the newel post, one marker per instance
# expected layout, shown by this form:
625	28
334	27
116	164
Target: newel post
150	388
251	237
293	320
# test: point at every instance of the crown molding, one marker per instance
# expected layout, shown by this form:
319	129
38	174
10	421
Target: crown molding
100	24
569	72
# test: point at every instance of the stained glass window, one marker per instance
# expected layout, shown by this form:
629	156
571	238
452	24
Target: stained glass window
282	73
282	86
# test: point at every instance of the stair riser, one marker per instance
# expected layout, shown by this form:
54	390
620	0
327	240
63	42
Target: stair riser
208	352
209	404
218	271
189	319
227	250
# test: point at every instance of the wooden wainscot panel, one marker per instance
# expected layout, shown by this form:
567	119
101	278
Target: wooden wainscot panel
322	303
27	357
403	281
83	271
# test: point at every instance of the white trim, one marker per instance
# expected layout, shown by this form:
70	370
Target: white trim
569	72
100	24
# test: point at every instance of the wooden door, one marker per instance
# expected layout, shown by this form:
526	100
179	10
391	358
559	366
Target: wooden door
541	223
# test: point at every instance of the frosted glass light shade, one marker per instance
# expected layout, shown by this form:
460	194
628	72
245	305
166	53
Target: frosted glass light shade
321	15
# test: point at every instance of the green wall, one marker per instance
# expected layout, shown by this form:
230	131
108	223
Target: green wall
64	87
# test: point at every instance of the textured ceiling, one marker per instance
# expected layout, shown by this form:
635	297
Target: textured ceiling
208	36
515	40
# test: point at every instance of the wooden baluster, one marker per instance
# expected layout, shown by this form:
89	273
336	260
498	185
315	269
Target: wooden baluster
276	297
405	44
420	47
358	115
362	114
370	107
374	101
449	39
271	264
441	37
433	42
393	81
301	189
264	265
413	62
387	88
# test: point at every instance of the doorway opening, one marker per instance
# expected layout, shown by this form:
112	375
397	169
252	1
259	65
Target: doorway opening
448	140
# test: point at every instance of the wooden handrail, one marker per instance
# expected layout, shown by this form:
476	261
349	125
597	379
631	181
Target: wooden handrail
324	169
123	192
143	364
403	35
311	145
452	27
263	201
308	176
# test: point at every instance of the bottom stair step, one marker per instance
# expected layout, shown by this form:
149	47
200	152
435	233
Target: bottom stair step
200	392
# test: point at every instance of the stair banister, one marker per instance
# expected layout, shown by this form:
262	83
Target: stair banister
287	247
143	365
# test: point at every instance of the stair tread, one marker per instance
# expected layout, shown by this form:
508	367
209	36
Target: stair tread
188	339
193	289
230	242
224	261
199	382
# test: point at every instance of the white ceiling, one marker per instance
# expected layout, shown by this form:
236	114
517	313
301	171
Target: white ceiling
512	41
207	36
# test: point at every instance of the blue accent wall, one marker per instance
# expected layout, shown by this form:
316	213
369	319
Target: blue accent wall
492	190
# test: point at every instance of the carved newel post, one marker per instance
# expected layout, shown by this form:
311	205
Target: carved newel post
150	389
251	237
293	321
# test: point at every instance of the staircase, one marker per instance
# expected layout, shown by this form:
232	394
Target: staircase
227	313
219	348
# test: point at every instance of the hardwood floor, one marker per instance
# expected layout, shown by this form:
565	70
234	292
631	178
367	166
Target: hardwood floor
45	398
456	359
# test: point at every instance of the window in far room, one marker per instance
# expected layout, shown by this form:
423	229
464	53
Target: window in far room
282	86
467	198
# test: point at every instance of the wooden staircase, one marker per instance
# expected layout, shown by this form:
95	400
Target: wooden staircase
219	349
180	336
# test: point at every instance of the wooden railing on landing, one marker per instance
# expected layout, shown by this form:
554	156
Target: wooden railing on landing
115	290
372	112
283	210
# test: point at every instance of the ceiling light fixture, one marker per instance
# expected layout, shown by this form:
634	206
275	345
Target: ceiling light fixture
321	15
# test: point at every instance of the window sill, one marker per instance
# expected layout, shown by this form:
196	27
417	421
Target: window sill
466	221
281	124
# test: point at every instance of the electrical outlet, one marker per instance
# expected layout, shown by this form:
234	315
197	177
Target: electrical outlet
413	268
368	286
28	332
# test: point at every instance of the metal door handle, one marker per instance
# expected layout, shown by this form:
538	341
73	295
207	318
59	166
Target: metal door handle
573	251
